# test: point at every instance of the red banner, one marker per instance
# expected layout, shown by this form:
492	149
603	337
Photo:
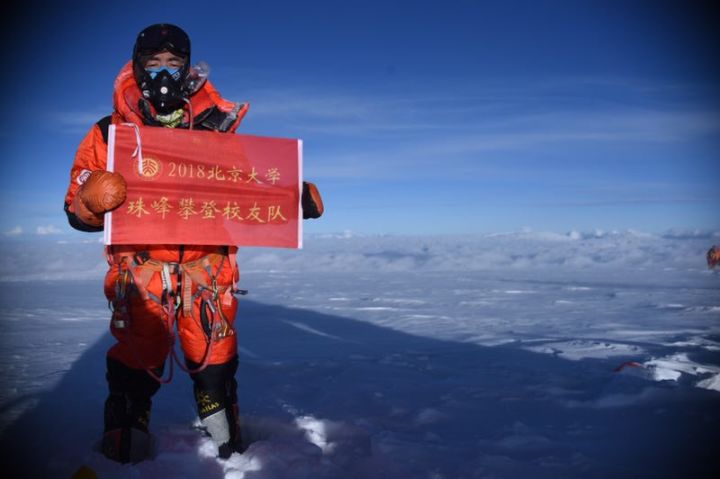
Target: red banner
203	187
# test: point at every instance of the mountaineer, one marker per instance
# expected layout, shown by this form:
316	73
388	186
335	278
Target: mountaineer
159	88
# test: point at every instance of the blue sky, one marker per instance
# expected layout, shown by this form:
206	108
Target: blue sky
417	117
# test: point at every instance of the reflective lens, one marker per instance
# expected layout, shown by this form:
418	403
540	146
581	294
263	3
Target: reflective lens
153	72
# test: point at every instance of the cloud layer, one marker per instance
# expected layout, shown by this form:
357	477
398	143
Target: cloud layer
542	252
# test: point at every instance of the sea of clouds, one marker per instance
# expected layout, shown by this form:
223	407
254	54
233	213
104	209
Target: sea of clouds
53	259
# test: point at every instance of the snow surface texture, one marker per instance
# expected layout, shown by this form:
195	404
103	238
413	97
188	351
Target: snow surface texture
500	356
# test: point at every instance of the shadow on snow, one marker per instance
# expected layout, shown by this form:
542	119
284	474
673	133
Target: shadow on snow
460	410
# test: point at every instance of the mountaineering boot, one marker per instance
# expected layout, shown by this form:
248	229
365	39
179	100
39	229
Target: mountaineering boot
234	442
126	437
215	391
127	413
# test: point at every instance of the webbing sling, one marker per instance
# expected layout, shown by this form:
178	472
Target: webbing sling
136	272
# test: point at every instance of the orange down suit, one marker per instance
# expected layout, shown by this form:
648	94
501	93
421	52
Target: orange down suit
142	282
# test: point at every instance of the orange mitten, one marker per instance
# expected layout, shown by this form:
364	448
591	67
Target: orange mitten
103	191
84	214
312	203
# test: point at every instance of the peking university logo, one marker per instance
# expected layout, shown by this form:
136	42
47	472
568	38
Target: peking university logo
151	168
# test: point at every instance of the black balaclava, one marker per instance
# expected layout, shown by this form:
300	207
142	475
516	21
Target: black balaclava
165	90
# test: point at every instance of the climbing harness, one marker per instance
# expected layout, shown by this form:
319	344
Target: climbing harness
134	275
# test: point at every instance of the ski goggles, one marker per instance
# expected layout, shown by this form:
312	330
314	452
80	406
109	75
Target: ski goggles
160	37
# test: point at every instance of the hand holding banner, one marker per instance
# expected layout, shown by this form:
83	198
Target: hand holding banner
205	188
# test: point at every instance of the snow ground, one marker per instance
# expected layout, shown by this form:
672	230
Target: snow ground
503	356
